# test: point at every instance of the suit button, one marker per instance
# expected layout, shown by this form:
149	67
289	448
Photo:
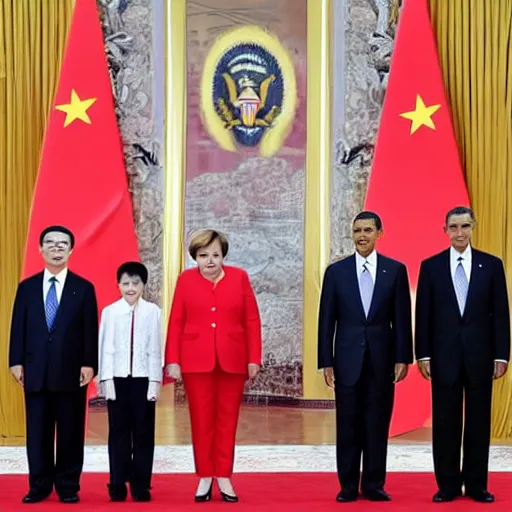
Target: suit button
50	339
214	308
214	325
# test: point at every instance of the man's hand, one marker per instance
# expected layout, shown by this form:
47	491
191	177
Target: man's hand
253	370
329	377
500	369
174	371
18	373
424	368
86	375
401	370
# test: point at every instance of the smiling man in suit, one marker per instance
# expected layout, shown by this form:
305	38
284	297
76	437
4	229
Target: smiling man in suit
364	348
54	355
462	344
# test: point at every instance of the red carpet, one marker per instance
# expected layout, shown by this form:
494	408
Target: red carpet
264	492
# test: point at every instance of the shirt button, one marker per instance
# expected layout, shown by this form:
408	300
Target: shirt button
214	308
214	325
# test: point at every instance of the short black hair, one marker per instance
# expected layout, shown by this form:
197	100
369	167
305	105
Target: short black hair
133	269
367	215
460	210
57	229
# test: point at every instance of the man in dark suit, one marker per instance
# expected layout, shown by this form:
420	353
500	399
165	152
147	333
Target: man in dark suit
462	343
364	348
54	355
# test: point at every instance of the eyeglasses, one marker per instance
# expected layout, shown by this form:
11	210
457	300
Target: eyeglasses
50	244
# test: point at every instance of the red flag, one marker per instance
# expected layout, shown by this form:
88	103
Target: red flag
82	182
416	176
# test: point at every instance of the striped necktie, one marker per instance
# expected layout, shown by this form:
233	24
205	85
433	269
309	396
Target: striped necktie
52	304
461	285
366	288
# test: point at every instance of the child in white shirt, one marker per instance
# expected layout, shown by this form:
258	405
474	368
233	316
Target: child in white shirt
130	375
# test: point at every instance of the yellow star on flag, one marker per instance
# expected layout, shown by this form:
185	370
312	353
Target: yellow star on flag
76	109
422	115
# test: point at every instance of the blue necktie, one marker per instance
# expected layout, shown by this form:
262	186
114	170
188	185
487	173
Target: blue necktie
461	285
366	288
52	304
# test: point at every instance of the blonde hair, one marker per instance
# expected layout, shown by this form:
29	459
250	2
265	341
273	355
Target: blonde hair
204	238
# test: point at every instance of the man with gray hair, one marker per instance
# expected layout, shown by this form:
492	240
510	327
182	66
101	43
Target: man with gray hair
462	345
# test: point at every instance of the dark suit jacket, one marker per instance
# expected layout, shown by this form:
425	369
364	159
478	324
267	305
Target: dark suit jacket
386	333
52	359
475	339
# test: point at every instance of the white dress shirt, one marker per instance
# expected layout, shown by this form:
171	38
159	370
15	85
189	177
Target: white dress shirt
466	265
371	265
466	261
59	285
115	345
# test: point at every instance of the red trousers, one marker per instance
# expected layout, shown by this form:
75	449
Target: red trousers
214	404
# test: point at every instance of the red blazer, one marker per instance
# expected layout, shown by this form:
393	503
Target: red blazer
214	324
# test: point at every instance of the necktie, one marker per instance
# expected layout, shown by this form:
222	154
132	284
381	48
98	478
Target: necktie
52	304
131	341
366	288
460	282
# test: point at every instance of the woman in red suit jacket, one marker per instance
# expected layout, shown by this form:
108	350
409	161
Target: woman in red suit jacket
213	344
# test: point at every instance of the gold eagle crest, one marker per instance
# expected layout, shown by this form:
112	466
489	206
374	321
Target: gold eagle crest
248	91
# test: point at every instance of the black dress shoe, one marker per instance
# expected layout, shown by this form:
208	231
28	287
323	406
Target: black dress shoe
35	497
345	496
442	497
71	498
117	492
200	498
481	496
377	495
142	496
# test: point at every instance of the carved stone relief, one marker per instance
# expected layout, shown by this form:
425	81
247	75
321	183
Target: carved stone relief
369	38
127	27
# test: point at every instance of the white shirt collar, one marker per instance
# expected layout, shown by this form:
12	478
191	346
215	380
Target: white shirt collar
123	306
61	276
371	259
455	255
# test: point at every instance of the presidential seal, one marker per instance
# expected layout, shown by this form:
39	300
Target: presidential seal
248	91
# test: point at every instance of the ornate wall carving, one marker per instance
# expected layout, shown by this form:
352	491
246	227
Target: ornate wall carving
128	29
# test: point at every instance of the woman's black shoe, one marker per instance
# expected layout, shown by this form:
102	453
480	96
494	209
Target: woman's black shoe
228	497
204	497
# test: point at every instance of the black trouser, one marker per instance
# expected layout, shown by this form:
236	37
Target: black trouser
363	415
447	428
131	437
55	418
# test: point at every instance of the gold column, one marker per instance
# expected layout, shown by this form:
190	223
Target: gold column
318	185
175	148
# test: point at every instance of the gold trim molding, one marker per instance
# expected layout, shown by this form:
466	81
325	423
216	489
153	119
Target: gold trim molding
175	148
318	164
318	187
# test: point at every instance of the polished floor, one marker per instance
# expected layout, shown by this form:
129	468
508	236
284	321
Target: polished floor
270	439
258	425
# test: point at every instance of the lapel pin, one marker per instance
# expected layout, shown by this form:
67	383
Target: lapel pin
384	270
480	265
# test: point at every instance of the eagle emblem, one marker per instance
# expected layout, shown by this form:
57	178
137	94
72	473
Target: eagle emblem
248	91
